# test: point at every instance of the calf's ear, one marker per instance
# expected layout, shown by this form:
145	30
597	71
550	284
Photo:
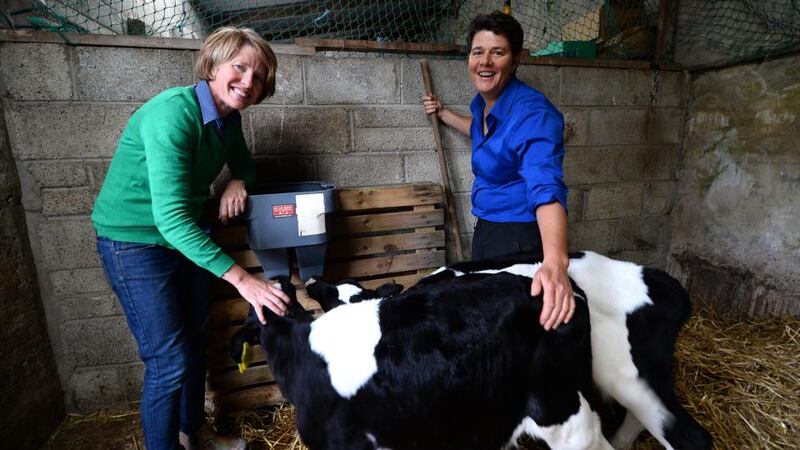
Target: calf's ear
389	289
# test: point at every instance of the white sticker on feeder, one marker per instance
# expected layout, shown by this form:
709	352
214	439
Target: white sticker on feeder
310	214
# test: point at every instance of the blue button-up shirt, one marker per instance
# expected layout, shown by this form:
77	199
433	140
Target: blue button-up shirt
518	163
209	109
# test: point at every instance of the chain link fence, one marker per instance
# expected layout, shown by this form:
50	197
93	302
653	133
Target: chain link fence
722	31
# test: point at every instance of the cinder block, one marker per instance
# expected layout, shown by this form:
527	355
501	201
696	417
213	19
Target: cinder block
658	162
97	173
466	221
597	236
130	74
545	79
581	86
644	233
660	197
89	306
94	388
53	131
588	165
68	244
672	89
79	281
667	126
285	169
300	130
67	201
351	81
56	173
575	126
29	189
450	80
35	71
616	126
611	202
641	85
574	204
99	341
655	258
425	167
361	170
393	139
453	140
412	116
288	81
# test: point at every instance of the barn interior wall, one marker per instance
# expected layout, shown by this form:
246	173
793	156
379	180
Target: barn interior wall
30	391
353	120
735	241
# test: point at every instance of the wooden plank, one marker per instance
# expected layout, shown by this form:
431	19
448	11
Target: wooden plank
393	196
232	379
384	244
251	398
104	40
383	265
667	13
370	223
527	59
379	46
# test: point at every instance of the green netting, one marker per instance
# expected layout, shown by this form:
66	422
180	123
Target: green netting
434	21
729	31
705	30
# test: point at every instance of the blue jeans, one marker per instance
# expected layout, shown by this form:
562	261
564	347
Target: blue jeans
166	301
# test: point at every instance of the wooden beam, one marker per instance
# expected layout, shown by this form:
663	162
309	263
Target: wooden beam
109	40
379	46
599	63
667	13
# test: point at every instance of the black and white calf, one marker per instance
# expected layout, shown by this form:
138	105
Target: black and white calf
635	314
457	365
330	296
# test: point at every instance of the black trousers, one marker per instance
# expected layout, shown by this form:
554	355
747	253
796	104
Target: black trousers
504	240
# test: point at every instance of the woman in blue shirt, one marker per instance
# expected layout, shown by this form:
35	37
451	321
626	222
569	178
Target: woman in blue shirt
518	195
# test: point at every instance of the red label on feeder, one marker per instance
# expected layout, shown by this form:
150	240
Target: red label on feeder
283	210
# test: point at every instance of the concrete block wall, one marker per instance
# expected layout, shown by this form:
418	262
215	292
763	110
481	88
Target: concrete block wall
28	371
353	120
737	243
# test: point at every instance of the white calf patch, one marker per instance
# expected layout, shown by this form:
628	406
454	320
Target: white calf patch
581	431
525	270
347	291
614	290
345	337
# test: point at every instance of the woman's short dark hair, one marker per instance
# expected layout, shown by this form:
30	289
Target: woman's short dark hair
500	24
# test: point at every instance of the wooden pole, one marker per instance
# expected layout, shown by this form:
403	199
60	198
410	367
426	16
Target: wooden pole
667	15
450	208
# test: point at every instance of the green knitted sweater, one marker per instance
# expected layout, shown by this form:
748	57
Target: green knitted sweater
158	182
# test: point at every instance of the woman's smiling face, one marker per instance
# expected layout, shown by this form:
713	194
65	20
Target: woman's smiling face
238	82
491	64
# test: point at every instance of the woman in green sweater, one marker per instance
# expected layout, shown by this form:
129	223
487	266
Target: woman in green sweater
151	239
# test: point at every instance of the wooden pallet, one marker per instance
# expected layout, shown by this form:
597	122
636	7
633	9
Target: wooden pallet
379	234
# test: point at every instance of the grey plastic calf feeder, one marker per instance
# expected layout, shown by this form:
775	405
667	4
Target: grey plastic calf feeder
290	215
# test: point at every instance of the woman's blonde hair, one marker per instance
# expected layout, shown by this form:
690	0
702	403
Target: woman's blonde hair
221	45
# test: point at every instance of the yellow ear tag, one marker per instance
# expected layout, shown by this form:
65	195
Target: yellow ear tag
247	357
